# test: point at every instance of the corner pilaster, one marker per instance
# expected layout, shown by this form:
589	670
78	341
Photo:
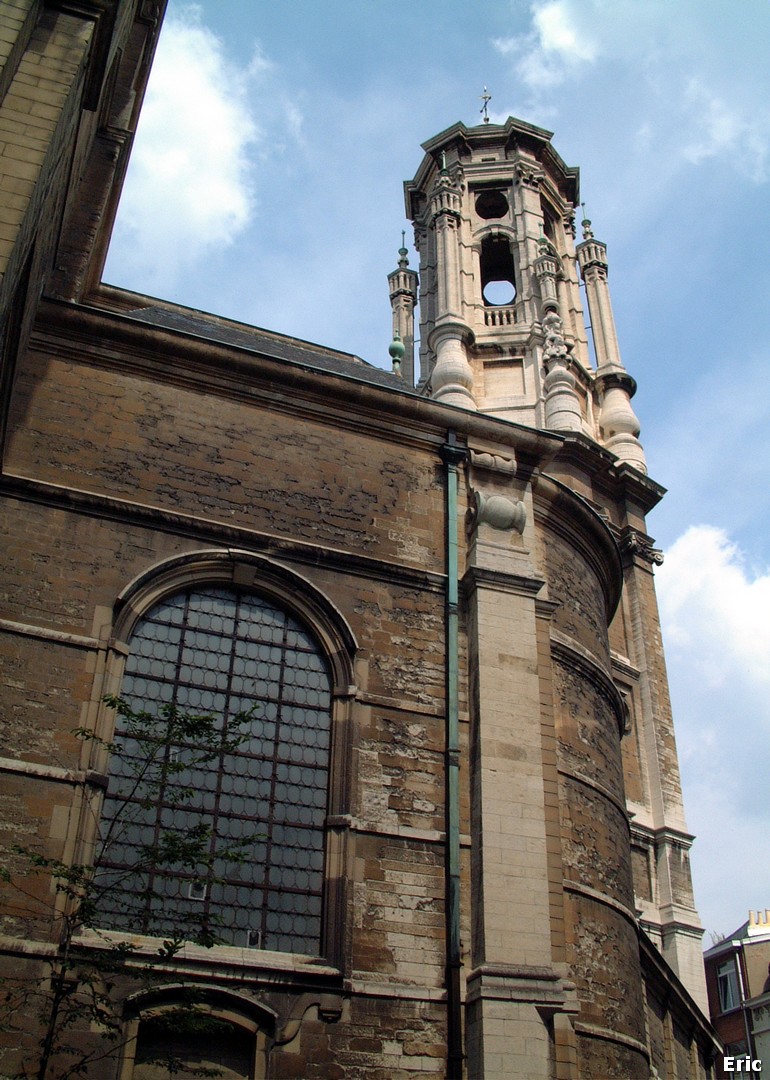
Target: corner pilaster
513	989
676	921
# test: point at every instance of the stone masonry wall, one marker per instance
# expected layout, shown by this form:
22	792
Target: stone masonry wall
599	898
115	474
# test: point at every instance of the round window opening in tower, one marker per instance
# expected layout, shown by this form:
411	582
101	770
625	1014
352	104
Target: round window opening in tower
491	204
499	293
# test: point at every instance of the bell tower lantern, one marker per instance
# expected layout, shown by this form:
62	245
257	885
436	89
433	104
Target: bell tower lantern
502	326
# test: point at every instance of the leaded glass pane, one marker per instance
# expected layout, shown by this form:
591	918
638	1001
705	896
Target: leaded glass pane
260	800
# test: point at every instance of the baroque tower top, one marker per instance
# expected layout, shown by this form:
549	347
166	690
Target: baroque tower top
502	326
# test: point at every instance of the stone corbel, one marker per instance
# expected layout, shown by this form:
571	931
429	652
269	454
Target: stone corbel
638	544
329	1007
529	175
487	474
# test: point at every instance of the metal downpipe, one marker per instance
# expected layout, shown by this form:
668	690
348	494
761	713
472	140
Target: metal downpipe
453	456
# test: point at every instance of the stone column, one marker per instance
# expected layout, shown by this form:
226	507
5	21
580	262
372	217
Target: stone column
452	376
617	420
562	405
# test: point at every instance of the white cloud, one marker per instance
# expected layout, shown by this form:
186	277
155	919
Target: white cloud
712	607
558	33
554	48
188	189
731	856
662	83
714	613
720	127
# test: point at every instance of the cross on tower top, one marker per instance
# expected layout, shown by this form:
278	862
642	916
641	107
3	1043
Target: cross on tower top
486	97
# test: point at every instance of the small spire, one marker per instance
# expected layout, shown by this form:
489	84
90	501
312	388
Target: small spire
444	170
403	260
486	97
587	231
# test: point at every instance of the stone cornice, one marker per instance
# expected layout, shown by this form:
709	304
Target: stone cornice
479	577
48	633
594	1031
113	340
623	668
616	479
665	834
143	515
600	789
574	655
53	773
542	987
514	134
226	963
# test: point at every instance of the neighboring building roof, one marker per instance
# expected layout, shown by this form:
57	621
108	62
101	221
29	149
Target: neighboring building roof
756	928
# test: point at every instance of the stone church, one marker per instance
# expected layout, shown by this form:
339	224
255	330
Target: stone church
424	597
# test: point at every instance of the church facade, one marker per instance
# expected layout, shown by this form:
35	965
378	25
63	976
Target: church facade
423	617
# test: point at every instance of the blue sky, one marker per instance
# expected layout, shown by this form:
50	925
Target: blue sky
266	185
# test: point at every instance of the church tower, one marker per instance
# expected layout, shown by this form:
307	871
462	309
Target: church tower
502	323
516	323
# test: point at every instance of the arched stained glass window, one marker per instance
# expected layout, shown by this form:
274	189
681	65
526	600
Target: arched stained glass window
258	795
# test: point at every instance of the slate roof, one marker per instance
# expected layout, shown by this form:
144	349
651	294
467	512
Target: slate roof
265	343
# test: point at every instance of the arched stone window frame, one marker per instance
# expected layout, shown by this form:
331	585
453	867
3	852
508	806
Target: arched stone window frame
255	1019
496	230
245	571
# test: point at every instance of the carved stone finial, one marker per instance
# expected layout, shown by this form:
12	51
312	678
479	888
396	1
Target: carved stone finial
403	254
397	351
